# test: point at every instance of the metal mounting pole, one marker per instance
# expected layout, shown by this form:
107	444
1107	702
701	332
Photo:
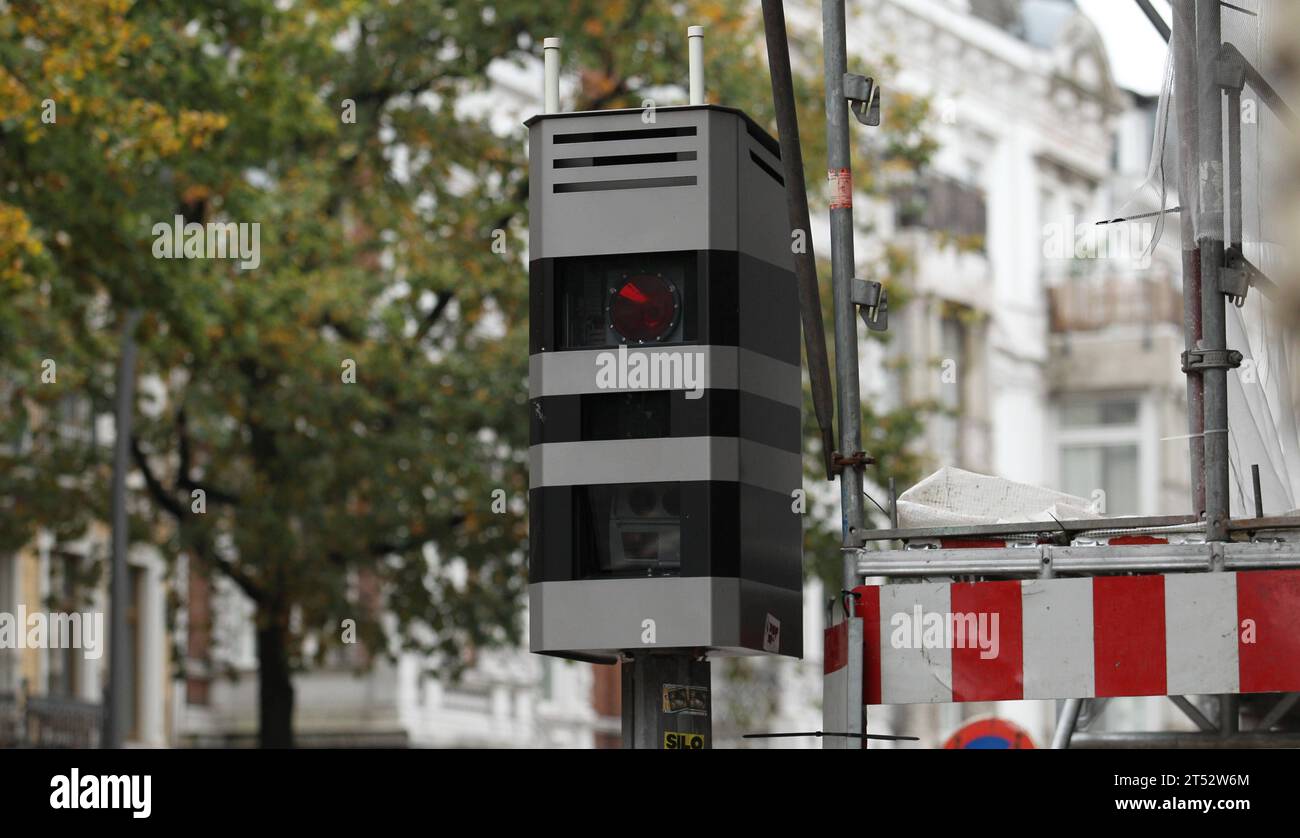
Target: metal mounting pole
117	694
840	173
667	703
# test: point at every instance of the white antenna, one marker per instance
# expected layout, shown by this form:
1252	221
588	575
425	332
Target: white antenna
695	60
551	58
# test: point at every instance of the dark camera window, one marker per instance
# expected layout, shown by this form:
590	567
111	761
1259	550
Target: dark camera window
585	288
634	529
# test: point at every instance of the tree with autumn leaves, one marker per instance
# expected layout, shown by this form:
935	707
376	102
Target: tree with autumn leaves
336	126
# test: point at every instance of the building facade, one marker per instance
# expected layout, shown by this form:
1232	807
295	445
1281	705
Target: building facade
52	682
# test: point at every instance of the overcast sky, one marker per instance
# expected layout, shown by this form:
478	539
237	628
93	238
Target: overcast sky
1135	49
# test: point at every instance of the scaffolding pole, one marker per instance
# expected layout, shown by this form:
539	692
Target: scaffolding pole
1184	47
1178	739
1215	362
1047	560
839	169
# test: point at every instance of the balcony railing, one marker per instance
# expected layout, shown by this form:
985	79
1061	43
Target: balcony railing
45	722
1088	305
942	204
11	720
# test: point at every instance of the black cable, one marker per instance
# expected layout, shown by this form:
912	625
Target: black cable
882	509
819	734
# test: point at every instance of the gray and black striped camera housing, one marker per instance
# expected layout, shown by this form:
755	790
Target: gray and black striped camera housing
662	514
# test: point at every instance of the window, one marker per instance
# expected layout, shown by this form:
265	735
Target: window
1111	468
75	419
943	204
134	645
1099	441
952	387
1099	412
64	660
8	657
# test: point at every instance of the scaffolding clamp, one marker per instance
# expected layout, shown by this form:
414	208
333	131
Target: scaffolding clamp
1200	360
872	302
864	98
1230	69
1234	282
1240	274
858	459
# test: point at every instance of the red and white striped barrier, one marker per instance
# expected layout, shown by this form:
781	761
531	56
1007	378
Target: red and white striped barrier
842	682
1174	634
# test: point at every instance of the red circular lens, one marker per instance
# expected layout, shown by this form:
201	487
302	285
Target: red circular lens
644	308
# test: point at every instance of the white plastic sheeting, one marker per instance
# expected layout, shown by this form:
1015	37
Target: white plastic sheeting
1150	203
1261	405
955	497
1261	412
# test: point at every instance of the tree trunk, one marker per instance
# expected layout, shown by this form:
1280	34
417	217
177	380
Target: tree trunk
275	687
